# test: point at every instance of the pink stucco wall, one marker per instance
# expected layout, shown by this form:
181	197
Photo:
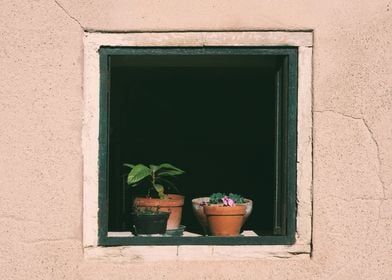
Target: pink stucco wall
41	110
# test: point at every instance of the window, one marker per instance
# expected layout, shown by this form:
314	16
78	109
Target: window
225	115
251	62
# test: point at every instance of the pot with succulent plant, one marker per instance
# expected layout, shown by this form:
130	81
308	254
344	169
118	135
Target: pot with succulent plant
221	214
148	221
156	179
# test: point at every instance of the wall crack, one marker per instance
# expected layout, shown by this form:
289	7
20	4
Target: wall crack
17	219
364	199
68	14
371	136
45	240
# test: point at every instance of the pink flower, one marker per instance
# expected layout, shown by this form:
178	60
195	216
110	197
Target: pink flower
228	201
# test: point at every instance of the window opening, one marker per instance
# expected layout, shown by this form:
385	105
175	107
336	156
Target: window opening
227	116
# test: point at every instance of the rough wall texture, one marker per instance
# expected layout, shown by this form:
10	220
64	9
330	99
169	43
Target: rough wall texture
41	118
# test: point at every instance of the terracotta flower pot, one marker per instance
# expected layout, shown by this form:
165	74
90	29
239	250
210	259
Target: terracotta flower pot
198	210
172	204
224	220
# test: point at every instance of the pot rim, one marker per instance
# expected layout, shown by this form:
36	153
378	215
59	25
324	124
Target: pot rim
172	200
219	209
160	213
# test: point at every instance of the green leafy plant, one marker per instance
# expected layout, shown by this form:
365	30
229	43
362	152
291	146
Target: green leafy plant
146	211
155	177
226	200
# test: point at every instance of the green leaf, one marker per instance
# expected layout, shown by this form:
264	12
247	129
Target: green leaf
138	173
167	169
129	165
237	198
168	166
154	168
170	173
160	190
216	198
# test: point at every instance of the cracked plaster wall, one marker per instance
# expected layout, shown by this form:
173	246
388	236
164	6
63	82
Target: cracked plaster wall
41	107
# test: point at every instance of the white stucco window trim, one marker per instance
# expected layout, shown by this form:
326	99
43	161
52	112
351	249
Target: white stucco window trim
93	41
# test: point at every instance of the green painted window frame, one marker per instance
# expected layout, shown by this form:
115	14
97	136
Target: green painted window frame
286	152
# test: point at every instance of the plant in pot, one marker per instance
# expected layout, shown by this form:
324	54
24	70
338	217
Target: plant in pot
149	221
225	214
156	179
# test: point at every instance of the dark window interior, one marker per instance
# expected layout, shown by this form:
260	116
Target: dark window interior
212	116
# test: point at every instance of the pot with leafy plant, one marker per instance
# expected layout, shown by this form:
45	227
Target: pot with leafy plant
155	179
149	221
199	203
225	214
